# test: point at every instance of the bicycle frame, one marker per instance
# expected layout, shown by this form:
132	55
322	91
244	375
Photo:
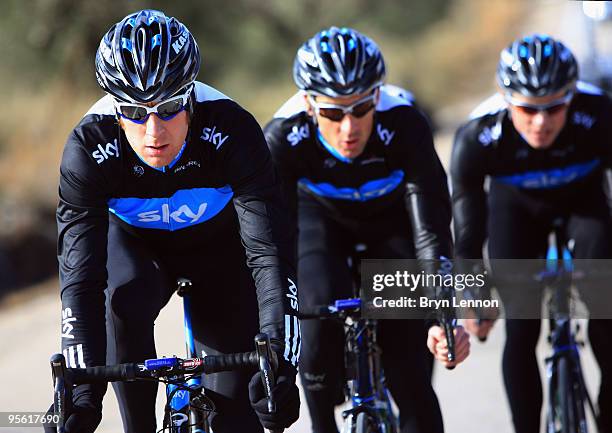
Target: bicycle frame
186	398
367	390
568	394
183	418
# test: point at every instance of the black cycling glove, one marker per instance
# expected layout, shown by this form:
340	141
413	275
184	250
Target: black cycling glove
85	412
285	394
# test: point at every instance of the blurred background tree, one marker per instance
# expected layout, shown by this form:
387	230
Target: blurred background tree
442	50
55	39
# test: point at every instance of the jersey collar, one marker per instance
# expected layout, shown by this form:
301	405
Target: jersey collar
331	150
172	163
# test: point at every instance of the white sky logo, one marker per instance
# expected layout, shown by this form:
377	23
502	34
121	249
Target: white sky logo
66	323
293	294
385	135
297	134
216	138
184	210
103	153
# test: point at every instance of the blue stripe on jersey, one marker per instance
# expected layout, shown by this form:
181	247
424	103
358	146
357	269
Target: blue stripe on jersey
184	208
552	178
368	191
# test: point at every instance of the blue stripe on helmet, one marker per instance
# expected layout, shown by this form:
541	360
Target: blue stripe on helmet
156	41
126	44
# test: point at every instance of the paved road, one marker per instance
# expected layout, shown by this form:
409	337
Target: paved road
471	396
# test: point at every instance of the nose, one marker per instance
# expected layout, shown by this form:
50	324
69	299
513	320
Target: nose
348	124
539	118
154	126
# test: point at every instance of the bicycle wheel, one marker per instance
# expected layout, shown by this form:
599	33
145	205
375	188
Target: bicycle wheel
364	424
562	410
580	399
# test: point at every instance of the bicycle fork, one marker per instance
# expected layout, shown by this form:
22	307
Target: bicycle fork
367	391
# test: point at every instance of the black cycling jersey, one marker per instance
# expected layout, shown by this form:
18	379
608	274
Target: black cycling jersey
398	167
488	145
182	207
392	199
528	188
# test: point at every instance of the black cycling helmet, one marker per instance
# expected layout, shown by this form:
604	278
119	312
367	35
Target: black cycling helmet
338	62
536	65
147	57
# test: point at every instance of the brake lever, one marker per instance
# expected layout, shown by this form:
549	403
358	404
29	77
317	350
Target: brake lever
268	364
62	390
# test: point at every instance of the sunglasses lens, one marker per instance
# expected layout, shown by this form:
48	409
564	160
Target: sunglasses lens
165	111
363	108
556	108
131	112
532	111
333	114
169	109
527	110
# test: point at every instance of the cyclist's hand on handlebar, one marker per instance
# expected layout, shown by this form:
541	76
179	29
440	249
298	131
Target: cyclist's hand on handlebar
438	346
479	327
285	394
481	322
86	411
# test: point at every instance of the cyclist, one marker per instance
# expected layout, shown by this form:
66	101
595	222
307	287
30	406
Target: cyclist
544	141
148	179
358	166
